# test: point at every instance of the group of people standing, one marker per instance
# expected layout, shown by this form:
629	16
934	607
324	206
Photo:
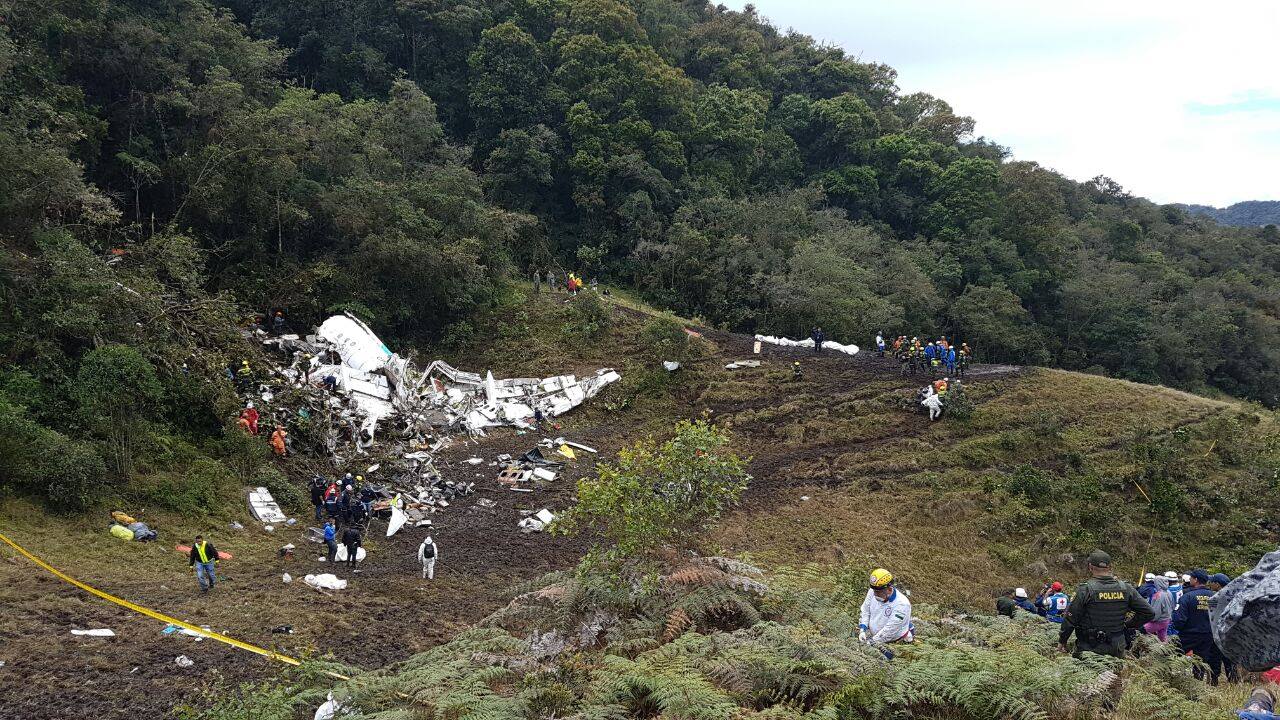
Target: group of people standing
347	506
1106	614
570	282
932	357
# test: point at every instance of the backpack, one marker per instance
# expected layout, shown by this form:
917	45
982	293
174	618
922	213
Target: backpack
428	550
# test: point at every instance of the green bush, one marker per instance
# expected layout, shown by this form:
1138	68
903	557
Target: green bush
664	339
589	317
40	462
206	487
289	495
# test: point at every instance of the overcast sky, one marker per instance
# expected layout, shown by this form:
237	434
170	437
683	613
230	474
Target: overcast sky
1178	101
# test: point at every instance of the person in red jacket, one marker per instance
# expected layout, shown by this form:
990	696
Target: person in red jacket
250	417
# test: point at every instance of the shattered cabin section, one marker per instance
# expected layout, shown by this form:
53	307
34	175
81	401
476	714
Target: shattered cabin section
412	412
382	387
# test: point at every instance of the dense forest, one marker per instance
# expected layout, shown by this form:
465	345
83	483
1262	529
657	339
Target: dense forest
168	168
1250	213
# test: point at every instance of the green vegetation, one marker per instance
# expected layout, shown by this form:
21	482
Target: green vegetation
168	173
658	494
714	639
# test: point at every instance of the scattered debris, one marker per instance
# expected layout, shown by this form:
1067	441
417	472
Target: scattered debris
474	461
742	364
670	365
484	503
537	522
286	551
233	525
808	343
97	632
756	348
325	581
282	630
183	661
328	710
804	498
544	474
567	451
264	507
286	578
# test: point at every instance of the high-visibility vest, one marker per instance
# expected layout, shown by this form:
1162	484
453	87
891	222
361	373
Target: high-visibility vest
200	549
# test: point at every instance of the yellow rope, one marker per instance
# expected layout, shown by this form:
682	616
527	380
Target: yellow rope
270	654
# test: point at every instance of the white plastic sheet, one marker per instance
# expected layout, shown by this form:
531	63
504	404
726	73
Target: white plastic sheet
326	581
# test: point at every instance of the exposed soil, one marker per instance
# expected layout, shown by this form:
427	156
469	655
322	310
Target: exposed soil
389	612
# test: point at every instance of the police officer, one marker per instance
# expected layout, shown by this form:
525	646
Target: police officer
1191	618
1097	612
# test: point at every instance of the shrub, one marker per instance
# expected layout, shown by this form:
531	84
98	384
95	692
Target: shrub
589	316
35	460
664	339
288	495
659	493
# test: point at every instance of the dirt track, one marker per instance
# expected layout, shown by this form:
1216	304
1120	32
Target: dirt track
388	613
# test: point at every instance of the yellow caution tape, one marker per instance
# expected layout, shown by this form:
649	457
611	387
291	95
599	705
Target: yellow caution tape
158	615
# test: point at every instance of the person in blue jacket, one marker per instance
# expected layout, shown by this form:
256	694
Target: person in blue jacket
1148	587
1055	603
331	539
1191	619
951	360
1020	599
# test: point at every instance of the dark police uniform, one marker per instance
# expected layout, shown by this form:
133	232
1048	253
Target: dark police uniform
1194	632
1097	613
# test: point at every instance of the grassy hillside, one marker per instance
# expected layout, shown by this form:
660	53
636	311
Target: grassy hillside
1048	466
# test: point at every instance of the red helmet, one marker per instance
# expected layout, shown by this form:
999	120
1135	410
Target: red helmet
1056	586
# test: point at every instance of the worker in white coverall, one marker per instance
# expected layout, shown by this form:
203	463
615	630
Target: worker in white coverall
933	401
886	613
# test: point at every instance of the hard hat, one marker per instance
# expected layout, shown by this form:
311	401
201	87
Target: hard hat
1056	586
1149	576
359	478
349	487
1020	592
244	362
249	405
1171	574
1186	578
881	578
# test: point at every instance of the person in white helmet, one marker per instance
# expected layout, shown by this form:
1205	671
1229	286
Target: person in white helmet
1175	586
428	551
886	613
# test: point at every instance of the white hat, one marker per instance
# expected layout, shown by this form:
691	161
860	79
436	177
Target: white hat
249	404
1171	574
1020	592
1186	578
1149	576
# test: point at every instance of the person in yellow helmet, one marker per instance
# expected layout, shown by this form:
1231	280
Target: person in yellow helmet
886	613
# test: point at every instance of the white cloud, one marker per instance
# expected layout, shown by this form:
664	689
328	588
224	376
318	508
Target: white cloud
1119	88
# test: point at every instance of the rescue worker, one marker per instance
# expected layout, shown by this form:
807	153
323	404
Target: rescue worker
345	501
244	375
317	494
203	557
278	441
1097	612
1006	605
817	337
277	324
1022	601
1162	603
880	343
428	551
1148	586
250	416
950	360
331	500
1217	581
1055	603
933	401
1191	620
885	616
1175	586
795	371
351	541
331	539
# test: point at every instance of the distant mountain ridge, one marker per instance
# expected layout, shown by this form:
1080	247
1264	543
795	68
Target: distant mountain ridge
1250	213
